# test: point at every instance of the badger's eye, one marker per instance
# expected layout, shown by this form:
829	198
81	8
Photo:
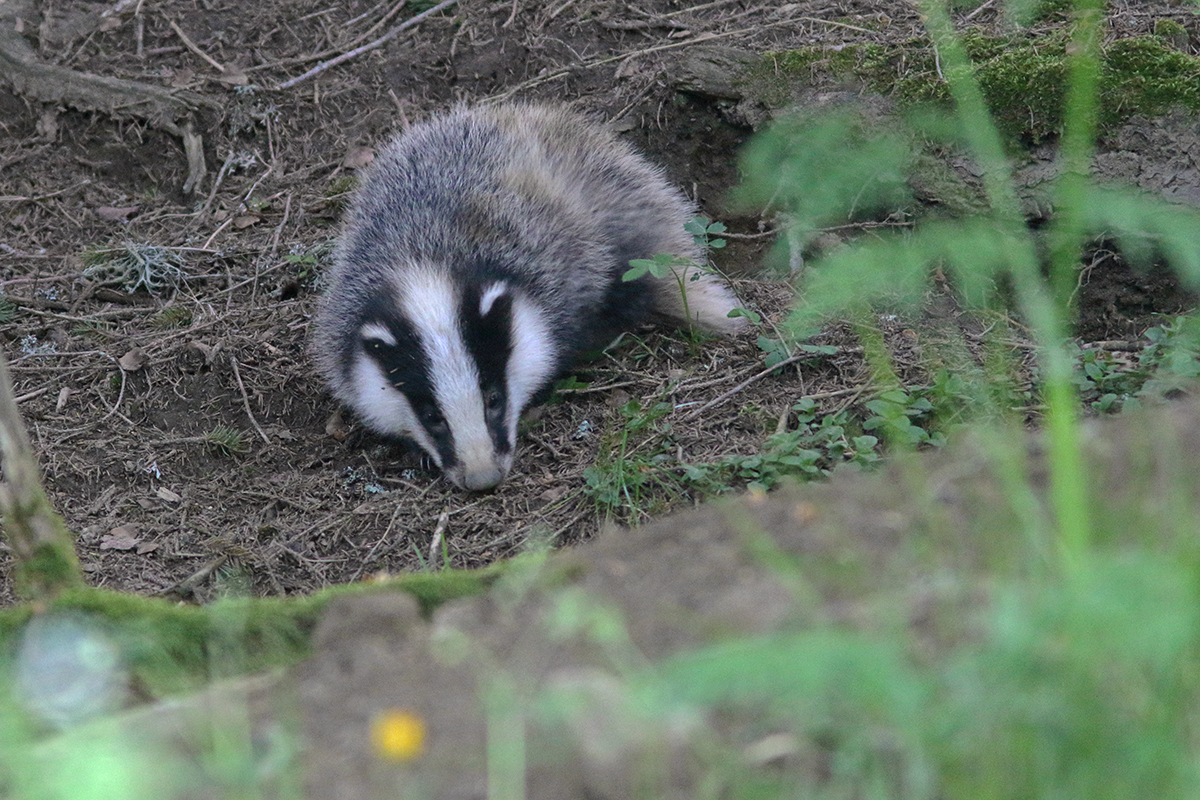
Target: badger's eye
494	400
432	419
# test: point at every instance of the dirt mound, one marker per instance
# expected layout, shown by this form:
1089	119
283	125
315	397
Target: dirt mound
556	658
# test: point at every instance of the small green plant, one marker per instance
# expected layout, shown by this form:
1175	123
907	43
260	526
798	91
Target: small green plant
622	477
1113	380
978	254
819	443
307	263
896	412
172	317
706	234
565	386
777	350
570	383
225	441
303	262
8	311
662	266
1172	357
93	328
134	266
1108	381
682	269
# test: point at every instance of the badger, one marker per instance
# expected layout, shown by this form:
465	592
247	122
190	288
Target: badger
481	256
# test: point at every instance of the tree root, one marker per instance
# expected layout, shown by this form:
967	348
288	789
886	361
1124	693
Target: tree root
175	112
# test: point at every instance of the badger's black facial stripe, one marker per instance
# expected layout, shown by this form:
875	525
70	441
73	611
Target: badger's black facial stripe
394	344
487	332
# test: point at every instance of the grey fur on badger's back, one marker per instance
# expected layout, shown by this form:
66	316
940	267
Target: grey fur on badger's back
484	253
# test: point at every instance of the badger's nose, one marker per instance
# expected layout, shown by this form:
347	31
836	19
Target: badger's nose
480	480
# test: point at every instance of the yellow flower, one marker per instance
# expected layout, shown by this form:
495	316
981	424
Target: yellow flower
398	735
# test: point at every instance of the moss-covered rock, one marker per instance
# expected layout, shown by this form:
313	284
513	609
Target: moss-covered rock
172	647
1022	78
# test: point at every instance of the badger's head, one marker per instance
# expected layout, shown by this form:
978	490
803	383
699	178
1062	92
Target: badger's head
452	367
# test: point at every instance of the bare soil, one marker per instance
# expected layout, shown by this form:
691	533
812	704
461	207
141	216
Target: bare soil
120	388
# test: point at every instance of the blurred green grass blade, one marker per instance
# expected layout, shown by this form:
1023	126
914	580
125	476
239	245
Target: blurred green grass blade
1145	227
824	170
897	269
809	669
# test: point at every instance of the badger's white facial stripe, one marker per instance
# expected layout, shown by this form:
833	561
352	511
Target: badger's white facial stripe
533	359
431	302
489	297
384	408
373	331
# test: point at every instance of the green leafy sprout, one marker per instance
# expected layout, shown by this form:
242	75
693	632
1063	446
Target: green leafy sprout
683	270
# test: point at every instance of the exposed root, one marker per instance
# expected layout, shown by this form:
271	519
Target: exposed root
168	110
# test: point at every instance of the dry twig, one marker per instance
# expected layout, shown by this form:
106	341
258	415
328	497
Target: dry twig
246	399
757	376
366	48
194	47
438	532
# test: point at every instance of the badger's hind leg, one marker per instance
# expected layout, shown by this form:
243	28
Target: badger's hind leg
700	298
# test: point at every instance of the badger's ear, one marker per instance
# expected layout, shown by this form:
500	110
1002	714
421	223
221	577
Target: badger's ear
489	296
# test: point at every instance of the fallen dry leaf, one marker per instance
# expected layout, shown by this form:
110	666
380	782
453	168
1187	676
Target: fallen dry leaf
336	427
618	398
233	76
182	78
47	124
246	220
166	494
209	352
124	537
133	360
114	214
553	494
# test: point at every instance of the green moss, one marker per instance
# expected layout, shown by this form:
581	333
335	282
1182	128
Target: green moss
771	80
1022	78
432	589
51	567
1025	86
932	179
1168	28
343	184
774	77
173	648
1046	9
1144	75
